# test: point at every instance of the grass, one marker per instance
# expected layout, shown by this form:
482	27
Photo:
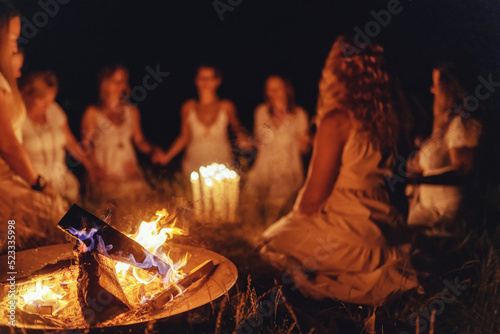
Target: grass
261	303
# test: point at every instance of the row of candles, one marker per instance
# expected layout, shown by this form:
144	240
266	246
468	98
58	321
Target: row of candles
216	192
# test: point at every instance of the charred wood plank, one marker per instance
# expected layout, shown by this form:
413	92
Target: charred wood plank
195	275
107	241
99	293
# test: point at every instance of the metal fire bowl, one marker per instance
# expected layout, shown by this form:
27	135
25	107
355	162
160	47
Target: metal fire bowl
42	260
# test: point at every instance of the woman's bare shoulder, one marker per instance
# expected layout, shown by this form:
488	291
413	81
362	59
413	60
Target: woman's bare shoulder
227	105
189	104
336	123
90	112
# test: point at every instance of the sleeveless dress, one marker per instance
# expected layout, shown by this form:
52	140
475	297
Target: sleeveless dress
434	205
115	153
208	144
35	214
278	172
46	146
348	250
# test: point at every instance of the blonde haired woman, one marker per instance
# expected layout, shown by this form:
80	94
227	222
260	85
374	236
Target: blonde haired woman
341	239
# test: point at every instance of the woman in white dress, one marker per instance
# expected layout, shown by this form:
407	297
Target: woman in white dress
112	130
281	130
444	159
27	202
47	136
343	238
204	126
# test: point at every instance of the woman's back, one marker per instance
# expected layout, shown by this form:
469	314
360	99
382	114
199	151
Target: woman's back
360	202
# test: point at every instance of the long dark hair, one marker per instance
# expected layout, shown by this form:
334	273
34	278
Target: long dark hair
451	83
7	12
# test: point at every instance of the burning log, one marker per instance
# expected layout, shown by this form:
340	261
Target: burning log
99	292
195	275
96	234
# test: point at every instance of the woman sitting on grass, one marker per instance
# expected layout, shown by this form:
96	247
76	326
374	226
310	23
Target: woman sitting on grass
445	159
343	238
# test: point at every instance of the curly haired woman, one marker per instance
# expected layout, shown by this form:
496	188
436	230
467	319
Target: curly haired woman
342	239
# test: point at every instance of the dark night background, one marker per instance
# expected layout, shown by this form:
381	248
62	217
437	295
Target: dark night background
256	39
289	37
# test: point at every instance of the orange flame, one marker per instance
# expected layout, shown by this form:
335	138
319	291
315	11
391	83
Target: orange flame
151	237
41	293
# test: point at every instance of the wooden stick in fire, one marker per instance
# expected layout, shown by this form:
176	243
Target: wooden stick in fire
195	275
107	241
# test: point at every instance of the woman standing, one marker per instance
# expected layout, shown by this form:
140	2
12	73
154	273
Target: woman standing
341	239
25	196
282	132
204	126
111	128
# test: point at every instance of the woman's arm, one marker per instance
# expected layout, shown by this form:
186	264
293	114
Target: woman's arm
304	135
242	139
138	136
89	131
325	163
74	148
11	150
182	140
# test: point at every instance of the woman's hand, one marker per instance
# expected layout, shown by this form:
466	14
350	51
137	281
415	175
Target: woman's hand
160	157
243	142
413	170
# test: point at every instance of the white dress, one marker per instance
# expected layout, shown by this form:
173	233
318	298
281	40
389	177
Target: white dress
431	204
277	174
208	144
350	248
35	214
45	145
115	153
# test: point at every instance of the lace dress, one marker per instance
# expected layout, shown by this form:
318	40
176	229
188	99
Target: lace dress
115	153
277	174
45	144
208	144
35	214
349	249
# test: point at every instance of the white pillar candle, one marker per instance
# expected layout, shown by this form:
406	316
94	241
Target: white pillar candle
218	189
196	189
208	198
234	194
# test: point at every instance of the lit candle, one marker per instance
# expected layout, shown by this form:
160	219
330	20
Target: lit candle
195	187
234	193
208	198
204	190
218	189
226	189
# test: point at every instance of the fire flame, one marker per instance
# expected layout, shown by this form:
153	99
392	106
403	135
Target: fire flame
41	293
151	237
